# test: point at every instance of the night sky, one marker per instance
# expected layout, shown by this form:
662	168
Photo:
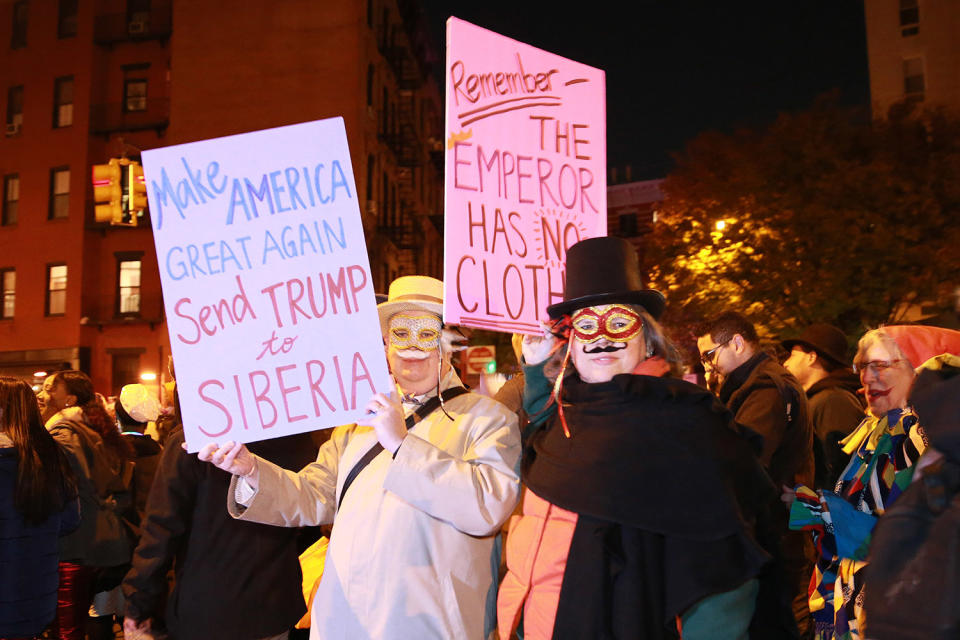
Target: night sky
677	68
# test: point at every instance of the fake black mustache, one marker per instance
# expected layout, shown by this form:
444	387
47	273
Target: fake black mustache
608	349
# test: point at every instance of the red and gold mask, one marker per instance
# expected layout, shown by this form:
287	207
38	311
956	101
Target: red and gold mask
613	322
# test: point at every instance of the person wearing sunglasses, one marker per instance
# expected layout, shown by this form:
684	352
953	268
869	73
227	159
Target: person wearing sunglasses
883	451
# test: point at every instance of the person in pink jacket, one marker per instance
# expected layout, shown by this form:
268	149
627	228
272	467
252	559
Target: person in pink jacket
641	493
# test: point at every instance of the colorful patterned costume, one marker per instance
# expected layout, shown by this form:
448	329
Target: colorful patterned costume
880	469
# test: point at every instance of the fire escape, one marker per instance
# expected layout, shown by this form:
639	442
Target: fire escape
405	143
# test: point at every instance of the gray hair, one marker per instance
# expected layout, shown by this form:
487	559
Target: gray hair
875	336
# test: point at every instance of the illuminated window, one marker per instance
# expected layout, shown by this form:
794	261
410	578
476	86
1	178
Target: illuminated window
56	289
11	199
63	102
59	193
128	286
8	286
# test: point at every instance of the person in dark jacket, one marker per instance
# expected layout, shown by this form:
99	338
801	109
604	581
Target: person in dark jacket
38	504
233	579
818	360
135	407
101	462
764	397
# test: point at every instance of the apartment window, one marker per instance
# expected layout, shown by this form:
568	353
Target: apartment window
67	19
628	225
909	18
370	77
913	83
385	114
135	94
56	289
371	168
8	287
14	110
11	199
59	193
63	102
125	367
18	38
128	285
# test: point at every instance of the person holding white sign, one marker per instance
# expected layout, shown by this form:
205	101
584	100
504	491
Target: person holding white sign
417	491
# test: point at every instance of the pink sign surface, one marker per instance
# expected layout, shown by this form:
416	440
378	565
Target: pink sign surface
266	282
525	176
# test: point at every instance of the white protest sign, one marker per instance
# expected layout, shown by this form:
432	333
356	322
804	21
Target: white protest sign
266	282
525	176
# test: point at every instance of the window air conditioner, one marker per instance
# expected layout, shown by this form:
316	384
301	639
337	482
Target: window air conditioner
136	27
13	128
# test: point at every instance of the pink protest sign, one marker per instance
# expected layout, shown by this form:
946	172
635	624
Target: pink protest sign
525	176
266	282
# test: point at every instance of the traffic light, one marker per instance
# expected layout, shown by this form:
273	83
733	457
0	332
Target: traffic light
108	192
136	192
491	366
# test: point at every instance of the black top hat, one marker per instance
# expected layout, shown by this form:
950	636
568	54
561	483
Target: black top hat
605	270
827	340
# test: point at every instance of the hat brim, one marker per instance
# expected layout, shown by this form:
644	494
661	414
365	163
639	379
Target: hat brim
790	344
650	299
389	309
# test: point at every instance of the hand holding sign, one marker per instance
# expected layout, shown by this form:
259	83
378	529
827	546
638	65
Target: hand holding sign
232	457
385	415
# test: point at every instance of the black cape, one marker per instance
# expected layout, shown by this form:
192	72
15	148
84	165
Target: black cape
667	489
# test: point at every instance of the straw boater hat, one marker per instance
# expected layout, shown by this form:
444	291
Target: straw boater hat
605	270
411	293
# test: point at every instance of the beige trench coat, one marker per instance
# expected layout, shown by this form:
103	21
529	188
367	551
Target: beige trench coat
410	553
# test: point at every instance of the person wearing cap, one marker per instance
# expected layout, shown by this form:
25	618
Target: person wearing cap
136	407
818	360
883	451
640	492
416	492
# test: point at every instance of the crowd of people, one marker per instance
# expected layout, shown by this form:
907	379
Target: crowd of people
599	495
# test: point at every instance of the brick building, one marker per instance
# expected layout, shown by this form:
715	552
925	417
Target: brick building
82	82
913	48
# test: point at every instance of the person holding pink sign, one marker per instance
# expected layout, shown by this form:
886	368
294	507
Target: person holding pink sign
416	492
640	490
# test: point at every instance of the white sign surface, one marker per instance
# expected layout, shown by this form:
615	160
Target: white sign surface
266	282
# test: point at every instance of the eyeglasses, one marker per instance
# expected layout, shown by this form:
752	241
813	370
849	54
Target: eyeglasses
876	366
707	356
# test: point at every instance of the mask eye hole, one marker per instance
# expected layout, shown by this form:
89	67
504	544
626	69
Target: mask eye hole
401	333
586	325
427	335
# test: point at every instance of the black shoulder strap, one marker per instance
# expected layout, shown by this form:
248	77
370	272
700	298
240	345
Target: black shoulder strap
422	412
